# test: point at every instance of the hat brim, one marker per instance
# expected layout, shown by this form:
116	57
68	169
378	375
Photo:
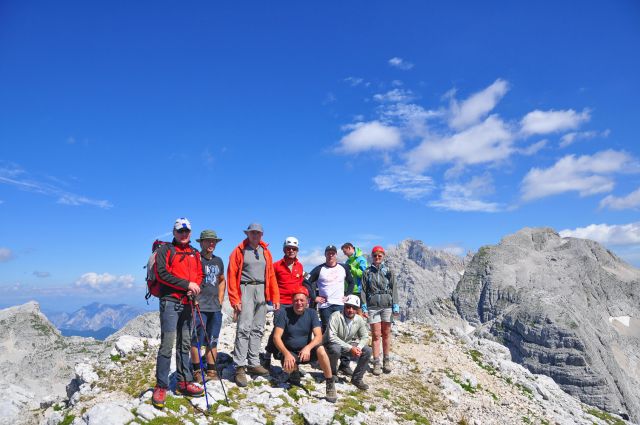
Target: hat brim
246	232
215	239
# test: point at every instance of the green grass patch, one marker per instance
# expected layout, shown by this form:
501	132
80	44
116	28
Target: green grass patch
416	417
466	385
215	417
173	403
385	393
607	417
297	419
116	357
68	420
350	406
525	390
165	420
293	392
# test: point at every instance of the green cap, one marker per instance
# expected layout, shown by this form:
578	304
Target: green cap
208	234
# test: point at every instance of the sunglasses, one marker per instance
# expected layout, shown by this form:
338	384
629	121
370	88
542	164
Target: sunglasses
181	231
291	248
378	255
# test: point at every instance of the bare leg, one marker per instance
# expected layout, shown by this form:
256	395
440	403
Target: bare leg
375	339
323	359
386	338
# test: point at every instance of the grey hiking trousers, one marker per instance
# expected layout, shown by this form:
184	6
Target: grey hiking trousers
251	320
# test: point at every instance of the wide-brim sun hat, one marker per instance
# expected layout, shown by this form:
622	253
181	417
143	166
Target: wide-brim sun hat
208	234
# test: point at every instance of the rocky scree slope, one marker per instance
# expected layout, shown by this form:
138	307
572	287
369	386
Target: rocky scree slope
566	308
439	377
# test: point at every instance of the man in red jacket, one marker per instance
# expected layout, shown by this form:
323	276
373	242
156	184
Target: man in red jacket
179	270
251	284
289	275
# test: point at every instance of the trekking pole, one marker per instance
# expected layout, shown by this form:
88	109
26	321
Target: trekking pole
204	382
215	362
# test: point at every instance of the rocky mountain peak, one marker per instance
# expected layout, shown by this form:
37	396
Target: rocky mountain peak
550	300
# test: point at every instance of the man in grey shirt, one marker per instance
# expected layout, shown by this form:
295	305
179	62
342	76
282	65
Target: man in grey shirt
252	284
210	305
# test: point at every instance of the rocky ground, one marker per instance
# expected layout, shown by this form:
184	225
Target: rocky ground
439	377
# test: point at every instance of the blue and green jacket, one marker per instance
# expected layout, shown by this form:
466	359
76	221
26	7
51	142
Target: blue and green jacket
357	264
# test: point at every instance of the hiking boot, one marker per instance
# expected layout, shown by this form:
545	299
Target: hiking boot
386	365
377	367
189	389
158	398
359	384
241	376
331	394
212	374
197	376
257	370
295	377
345	369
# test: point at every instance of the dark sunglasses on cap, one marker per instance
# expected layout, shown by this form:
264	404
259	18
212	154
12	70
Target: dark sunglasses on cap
183	230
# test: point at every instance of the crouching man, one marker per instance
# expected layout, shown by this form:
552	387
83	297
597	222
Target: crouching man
348	334
297	339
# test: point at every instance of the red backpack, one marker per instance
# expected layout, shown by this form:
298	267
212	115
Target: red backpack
153	286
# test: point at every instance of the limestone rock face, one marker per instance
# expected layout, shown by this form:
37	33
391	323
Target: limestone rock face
566	308
426	278
35	359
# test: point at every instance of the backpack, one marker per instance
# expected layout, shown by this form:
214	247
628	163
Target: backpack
153	286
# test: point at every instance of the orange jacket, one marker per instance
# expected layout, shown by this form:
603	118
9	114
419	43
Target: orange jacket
234	273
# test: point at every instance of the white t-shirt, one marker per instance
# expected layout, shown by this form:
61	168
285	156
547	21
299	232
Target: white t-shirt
331	284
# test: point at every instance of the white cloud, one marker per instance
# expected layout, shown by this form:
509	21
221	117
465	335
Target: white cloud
76	200
400	63
104	281
533	149
409	185
11	174
394	96
585	174
5	255
354	81
466	196
569	138
477	106
312	258
615	234
411	117
488	141
372	135
545	122
632	200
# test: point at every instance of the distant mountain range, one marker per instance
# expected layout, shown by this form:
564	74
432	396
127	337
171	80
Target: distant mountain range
94	320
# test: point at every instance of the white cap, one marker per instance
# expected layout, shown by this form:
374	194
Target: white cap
290	241
182	223
353	300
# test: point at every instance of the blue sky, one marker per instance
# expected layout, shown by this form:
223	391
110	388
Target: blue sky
455	123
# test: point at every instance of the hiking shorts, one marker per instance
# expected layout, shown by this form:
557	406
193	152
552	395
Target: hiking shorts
212	325
377	315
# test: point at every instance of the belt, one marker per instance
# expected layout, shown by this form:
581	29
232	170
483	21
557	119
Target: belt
252	282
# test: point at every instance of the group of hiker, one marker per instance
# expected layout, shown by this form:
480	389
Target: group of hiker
325	316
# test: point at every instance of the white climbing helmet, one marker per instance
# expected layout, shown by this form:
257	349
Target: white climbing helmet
290	241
